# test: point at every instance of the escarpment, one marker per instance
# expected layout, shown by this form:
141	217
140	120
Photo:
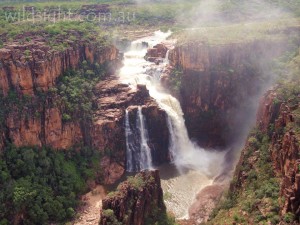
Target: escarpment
217	85
283	118
35	66
31	70
44	106
108	132
136	201
268	169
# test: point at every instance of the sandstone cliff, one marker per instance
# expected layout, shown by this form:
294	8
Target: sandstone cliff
35	66
217	84
266	184
108	129
33	69
283	118
136	200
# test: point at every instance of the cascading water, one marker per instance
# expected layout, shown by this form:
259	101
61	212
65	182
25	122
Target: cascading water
146	159
195	165
138	152
130	148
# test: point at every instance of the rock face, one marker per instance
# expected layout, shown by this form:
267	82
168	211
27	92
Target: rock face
157	53
47	129
218	84
284	148
108	133
135	200
277	120
35	67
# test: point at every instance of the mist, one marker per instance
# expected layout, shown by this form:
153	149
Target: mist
222	20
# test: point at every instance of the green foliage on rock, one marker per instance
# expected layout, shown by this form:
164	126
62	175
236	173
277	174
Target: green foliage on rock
39	186
260	189
75	89
175	79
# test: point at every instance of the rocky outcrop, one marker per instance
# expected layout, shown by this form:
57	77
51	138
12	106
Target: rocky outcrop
35	66
136	200
45	129
218	85
108	133
157	53
284	152
279	120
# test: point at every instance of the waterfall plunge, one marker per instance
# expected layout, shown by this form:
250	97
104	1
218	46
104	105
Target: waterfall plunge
138	152
196	166
183	151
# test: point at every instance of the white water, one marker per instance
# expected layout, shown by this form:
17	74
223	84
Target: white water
129	145
138	152
146	159
189	159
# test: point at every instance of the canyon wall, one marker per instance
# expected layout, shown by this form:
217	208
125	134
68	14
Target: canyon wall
136	201
35	66
33	70
277	121
283	118
218	84
108	129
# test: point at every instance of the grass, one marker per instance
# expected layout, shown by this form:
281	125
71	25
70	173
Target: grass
150	15
238	33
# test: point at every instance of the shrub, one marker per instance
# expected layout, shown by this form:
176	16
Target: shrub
289	217
136	182
42	183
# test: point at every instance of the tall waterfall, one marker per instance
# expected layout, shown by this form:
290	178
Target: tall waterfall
146	160
195	165
183	151
130	148
138	152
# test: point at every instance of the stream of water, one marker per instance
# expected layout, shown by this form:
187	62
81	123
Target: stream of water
193	167
138	152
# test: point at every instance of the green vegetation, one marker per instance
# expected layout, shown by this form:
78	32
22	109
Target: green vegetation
75	89
108	213
73	95
125	17
238	32
39	186
159	217
136	182
257	200
175	79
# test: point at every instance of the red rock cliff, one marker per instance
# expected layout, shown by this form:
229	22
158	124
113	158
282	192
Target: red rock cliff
135	200
217	85
284	150
34	67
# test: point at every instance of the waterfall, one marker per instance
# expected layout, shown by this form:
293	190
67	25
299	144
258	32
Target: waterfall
184	153
138	153
166	60
145	160
130	149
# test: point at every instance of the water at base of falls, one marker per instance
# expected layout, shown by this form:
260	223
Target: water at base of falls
138	152
195	166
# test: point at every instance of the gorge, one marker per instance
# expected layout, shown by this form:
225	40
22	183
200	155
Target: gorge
159	120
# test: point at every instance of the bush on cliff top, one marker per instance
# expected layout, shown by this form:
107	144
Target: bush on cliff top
39	186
